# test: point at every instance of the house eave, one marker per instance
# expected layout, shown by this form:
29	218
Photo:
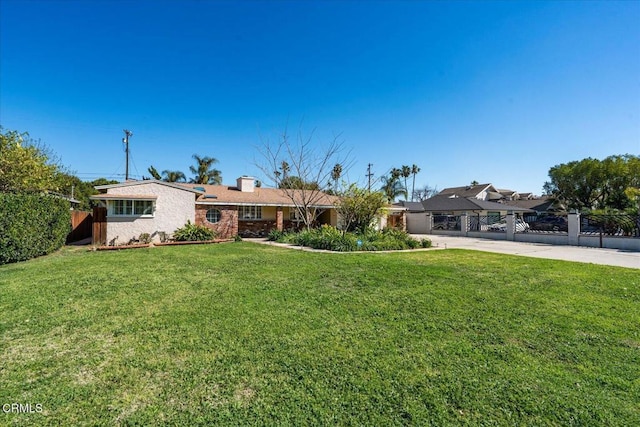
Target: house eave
124	197
284	205
148	181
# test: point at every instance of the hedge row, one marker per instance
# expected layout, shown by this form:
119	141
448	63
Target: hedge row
31	225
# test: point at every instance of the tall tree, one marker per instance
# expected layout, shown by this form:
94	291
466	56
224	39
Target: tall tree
292	182
173	176
595	184
310	163
26	164
414	171
392	187
358	207
154	173
83	190
203	171
336	173
424	193
406	173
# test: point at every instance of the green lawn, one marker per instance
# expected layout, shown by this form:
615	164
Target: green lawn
240	334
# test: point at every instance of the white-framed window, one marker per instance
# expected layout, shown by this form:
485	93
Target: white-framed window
131	207
213	215
247	213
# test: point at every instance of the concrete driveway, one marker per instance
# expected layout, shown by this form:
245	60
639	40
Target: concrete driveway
613	257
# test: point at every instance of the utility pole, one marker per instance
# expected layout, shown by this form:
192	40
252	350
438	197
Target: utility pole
127	134
369	175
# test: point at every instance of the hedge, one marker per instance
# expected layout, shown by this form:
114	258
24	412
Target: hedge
31	225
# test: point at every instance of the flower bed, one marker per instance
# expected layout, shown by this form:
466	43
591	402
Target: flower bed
330	238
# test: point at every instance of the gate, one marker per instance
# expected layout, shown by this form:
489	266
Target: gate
99	226
81	226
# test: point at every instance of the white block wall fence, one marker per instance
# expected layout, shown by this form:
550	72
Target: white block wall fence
422	223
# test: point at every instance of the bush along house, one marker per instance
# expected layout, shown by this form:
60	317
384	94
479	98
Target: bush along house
158	208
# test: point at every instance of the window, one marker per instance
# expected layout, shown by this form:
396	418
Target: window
213	215
142	207
122	207
132	207
294	214
249	212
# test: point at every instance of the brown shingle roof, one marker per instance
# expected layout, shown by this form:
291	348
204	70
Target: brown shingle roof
231	195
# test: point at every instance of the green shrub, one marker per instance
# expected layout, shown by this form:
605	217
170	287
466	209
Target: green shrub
193	233
332	239
31	225
145	238
275	235
425	243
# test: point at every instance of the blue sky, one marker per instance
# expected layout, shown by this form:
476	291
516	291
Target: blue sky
489	91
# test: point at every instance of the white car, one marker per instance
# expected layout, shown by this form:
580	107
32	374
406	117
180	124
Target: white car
521	226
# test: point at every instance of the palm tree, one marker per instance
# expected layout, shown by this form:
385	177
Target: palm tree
392	188
336	173
154	173
414	171
285	169
173	176
406	172
203	172
396	173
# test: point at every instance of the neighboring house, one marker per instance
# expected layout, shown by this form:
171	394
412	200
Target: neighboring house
508	195
440	207
485	192
158	207
480	192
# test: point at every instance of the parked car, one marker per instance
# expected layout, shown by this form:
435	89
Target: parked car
550	223
521	226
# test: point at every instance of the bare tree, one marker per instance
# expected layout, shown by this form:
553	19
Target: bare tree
424	193
310	163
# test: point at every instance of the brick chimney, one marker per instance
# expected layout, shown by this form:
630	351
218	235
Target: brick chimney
246	184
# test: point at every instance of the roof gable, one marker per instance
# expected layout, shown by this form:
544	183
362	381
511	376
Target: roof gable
467	191
132	183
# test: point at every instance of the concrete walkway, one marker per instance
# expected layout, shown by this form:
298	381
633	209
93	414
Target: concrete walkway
613	257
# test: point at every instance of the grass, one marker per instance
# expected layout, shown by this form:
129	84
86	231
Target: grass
242	334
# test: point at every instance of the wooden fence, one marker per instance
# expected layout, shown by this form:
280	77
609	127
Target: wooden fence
99	226
81	226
